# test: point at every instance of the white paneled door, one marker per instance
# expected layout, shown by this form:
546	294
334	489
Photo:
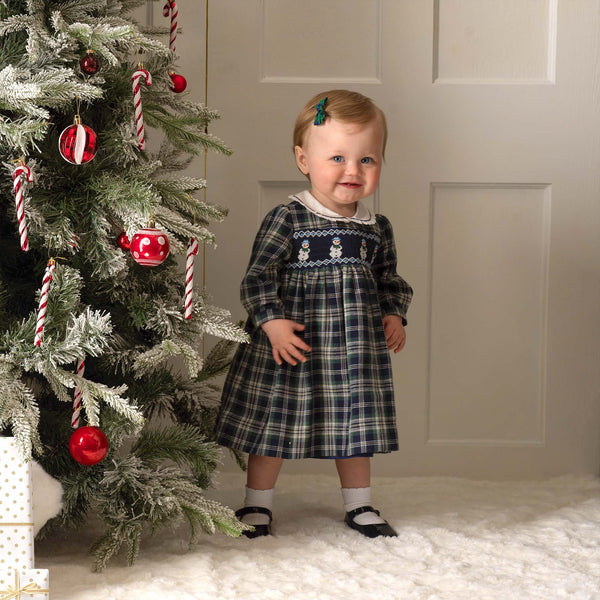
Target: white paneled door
491	184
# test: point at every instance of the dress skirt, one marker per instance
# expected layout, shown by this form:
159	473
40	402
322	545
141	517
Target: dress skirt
340	402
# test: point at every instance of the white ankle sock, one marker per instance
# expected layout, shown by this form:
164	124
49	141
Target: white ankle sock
357	497
262	498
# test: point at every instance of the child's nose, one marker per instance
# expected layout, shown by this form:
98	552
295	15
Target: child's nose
352	166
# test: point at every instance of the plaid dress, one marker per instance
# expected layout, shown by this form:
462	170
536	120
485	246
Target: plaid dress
338	278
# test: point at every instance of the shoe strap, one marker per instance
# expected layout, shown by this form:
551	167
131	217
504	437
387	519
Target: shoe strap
361	509
246	510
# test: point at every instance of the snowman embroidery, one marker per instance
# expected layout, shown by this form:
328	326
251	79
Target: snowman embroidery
363	250
304	251
335	251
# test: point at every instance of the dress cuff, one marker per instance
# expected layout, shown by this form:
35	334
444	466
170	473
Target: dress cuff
394	311
267	313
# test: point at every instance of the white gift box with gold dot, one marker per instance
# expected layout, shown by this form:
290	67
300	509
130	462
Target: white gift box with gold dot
24	583
16	513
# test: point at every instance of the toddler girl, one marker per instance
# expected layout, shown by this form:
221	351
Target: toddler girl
325	305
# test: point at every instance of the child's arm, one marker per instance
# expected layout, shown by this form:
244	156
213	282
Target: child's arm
285	343
260	287
393	292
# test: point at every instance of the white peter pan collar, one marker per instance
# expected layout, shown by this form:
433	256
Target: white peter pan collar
362	214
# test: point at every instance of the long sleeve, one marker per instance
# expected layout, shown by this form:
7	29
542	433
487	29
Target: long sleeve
272	248
394	292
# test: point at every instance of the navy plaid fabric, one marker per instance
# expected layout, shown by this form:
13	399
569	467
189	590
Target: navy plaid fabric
340	402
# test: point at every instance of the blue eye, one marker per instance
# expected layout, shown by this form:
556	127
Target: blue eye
337	158
366	160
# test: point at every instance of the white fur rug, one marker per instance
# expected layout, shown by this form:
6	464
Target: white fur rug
458	539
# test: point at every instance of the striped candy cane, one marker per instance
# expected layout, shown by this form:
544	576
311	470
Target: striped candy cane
21	171
192	250
77	396
39	328
137	101
171	8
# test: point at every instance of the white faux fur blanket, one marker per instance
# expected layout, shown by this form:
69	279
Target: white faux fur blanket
458	539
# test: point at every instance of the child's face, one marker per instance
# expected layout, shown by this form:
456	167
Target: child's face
343	162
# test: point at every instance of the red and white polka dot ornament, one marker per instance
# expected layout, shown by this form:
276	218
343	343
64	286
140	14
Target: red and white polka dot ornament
78	143
149	246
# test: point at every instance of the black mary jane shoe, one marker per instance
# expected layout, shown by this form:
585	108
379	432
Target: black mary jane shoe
372	531
259	530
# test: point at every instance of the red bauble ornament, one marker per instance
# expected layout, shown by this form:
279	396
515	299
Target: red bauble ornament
88	445
78	143
149	247
89	64
179	82
123	241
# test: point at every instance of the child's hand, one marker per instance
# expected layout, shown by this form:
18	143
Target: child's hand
394	332
285	343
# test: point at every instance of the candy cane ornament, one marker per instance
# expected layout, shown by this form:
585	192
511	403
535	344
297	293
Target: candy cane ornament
77	396
39	328
171	8
192	250
137	102
19	173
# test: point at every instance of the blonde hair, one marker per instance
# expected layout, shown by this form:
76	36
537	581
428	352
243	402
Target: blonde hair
342	105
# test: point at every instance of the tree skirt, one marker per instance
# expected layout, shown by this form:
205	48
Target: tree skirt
458	539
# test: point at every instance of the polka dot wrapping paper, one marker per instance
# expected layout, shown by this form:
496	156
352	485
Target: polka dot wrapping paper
16	512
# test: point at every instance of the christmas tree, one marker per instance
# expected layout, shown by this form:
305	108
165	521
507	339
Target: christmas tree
85	324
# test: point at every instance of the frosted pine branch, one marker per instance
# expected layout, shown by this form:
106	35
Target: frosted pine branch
218	359
33	93
18	94
60	385
73	10
179	132
22	133
182	184
185	445
20	412
157	355
172	221
216	321
93	392
102	36
162	496
179	198
124	193
67	334
199	394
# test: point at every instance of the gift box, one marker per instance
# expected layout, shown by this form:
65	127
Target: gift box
16	514
24	583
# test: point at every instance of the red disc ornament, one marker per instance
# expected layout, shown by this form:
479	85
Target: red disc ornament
88	445
78	143
149	247
89	64
179	82
123	241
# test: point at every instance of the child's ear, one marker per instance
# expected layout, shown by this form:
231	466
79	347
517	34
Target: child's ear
301	159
